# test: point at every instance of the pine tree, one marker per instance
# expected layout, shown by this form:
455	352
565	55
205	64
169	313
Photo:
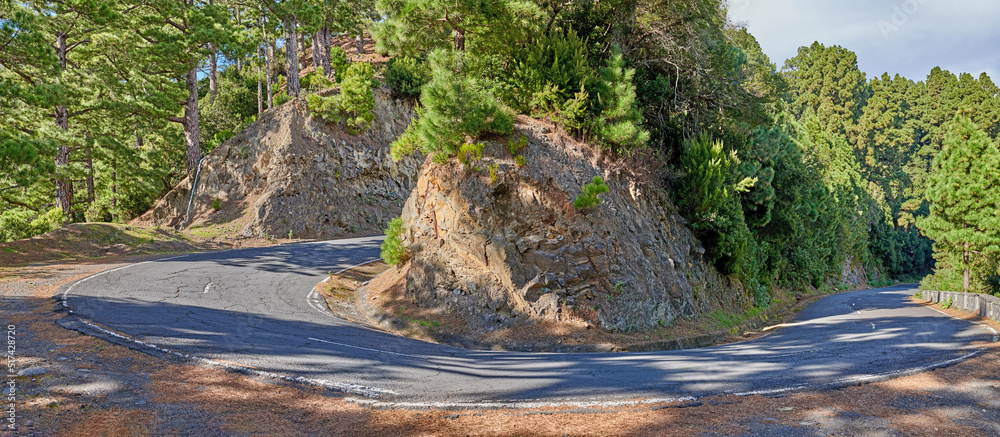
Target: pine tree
964	195
412	27
826	82
455	110
620	121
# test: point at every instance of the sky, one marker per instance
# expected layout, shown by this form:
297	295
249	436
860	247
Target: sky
908	37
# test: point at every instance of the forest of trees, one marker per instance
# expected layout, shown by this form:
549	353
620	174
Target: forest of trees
788	175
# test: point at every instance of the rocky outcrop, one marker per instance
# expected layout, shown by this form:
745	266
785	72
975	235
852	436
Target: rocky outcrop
291	174
504	244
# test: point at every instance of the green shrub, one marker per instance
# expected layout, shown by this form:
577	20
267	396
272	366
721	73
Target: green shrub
407	143
947	303
393	250
339	62
316	80
358	100
355	103
39	224
620	121
471	152
707	197
703	190
589	197
455	111
281	98
549	73
217	204
407	75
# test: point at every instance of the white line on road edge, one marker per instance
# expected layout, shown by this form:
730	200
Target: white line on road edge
65	292
996	335
313	297
366	348
371	392
867	379
338	386
515	404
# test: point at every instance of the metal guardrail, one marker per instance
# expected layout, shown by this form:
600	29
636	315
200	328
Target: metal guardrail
983	305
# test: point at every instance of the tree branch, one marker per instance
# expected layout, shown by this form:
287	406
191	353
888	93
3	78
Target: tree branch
16	203
173	23
73	46
80	112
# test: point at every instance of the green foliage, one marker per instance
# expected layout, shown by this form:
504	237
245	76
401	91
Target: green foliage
964	201
217	204
393	250
620	122
918	295
315	81
547	74
455	111
406	75
947	303
470	152
17	224
339	62
709	182
493	172
281	98
407	143
825	82
520	161
589	197
515	146
353	106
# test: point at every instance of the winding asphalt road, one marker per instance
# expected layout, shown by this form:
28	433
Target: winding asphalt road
253	309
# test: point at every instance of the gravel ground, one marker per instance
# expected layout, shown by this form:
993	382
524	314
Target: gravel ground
90	388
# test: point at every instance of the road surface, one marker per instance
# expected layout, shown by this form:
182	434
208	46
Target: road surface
253	309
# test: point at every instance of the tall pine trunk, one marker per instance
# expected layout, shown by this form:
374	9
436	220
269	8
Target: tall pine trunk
317	54
268	54
190	121
260	89
325	48
213	69
89	161
966	274
64	186
291	58
302	50
213	74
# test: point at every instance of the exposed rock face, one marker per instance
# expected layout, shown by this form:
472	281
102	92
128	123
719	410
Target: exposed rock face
289	172
514	248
